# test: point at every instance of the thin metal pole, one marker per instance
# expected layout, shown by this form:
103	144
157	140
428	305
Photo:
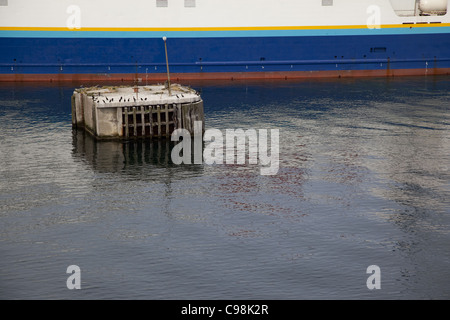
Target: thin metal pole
167	65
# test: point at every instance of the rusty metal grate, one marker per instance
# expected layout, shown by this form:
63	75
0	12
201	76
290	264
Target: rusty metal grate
149	121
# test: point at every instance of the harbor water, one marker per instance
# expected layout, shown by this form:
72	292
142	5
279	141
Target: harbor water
363	180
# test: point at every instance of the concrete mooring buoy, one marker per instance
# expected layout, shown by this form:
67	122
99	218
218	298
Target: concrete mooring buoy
128	112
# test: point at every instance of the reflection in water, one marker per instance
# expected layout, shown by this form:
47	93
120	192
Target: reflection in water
143	159
363	179
415	147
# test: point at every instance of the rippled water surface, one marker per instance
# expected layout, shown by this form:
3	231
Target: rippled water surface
364	179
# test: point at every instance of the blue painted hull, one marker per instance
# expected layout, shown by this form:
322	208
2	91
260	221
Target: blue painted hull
213	55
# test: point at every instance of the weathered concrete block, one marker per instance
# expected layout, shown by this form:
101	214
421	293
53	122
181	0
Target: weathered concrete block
139	111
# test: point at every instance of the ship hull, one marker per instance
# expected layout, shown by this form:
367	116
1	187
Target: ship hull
224	57
334	40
